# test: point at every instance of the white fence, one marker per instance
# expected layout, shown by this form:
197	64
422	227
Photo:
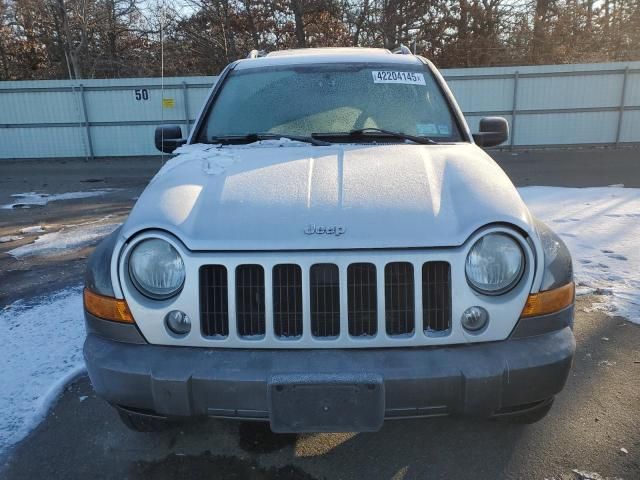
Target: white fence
549	105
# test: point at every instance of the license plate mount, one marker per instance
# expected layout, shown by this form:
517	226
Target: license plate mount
326	403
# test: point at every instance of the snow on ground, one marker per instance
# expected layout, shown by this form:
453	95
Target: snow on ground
70	237
41	351
34	229
601	227
10	238
30	199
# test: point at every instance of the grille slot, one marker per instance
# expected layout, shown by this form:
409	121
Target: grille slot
214	301
362	288
287	300
436	296
399	298
250	310
325	300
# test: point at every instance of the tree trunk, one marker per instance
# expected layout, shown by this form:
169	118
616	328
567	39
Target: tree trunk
360	22
252	25
71	52
298	11
5	62
538	44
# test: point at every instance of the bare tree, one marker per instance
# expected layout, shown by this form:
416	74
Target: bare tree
115	38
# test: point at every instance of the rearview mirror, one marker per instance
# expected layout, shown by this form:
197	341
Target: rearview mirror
168	138
493	131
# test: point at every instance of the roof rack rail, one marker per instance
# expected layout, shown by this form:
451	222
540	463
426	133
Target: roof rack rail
402	50
256	54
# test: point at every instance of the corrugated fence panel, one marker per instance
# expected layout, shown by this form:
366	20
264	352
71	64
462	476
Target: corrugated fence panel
129	140
23	106
47	118
41	142
483	95
570	91
630	126
553	128
632	94
553	105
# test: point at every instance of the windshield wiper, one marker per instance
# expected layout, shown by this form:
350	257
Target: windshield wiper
371	131
254	137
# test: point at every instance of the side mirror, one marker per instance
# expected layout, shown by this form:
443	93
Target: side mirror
493	131
168	138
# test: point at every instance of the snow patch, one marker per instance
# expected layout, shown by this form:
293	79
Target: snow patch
217	164
601	227
10	238
71	237
41	352
214	159
31	199
34	229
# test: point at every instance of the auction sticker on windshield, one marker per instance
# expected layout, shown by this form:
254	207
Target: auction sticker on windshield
389	76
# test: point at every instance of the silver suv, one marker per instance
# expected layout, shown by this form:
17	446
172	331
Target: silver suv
329	248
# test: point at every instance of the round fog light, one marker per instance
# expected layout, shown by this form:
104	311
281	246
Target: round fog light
178	322
474	318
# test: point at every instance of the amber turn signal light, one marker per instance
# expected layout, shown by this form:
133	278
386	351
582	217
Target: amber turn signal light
107	308
543	303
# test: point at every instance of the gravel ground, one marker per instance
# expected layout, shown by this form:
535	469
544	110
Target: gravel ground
595	417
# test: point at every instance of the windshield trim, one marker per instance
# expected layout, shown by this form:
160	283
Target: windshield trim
198	133
446	92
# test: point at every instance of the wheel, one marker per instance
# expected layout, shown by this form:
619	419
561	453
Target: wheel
139	422
529	416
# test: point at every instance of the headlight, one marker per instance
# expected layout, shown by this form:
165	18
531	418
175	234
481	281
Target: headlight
495	264
156	269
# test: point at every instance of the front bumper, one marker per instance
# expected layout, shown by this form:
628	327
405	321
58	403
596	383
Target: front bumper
481	379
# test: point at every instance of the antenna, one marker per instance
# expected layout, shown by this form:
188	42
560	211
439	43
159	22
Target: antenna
163	12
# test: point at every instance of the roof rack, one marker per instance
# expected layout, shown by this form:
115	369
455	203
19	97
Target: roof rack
402	50
257	54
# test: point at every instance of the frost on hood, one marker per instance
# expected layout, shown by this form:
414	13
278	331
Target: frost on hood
213	158
216	158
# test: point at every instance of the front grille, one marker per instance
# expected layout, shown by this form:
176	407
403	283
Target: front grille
214	301
325	300
287	300
399	298
436	296
250	309
366	313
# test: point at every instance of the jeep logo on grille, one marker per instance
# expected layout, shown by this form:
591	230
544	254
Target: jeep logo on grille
336	230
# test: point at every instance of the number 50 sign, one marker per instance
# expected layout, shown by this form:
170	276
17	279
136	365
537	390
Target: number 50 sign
141	94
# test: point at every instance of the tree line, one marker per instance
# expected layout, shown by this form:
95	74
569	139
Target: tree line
56	39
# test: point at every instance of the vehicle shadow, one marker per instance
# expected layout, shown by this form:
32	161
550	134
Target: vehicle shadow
461	448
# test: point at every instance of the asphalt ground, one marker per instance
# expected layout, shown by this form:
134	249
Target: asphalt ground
596	415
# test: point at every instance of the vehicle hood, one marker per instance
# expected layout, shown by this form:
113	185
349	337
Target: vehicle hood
265	196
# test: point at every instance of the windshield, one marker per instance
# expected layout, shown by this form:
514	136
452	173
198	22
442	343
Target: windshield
326	99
